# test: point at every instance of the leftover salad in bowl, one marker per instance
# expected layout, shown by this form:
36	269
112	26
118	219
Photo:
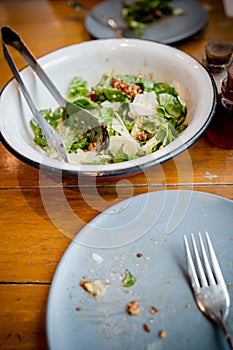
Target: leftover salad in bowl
141	116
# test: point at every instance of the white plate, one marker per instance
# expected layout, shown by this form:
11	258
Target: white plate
91	60
167	31
152	224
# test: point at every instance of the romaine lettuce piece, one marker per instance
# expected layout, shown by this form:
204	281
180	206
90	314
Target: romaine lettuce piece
78	87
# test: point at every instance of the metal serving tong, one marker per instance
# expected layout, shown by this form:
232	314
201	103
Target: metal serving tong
83	119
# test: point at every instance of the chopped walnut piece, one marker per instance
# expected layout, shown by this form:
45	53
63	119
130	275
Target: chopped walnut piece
95	287
87	285
146	328
162	333
153	309
91	146
133	307
129	89
141	136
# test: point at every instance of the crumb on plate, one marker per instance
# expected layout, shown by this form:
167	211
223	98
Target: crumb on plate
133	307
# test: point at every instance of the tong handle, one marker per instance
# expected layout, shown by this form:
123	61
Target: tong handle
52	136
20	81
11	38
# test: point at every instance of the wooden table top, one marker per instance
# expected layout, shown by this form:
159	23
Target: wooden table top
33	242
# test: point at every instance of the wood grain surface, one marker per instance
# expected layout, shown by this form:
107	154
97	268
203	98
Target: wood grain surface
36	226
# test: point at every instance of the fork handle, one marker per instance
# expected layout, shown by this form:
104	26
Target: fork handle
96	15
227	332
99	17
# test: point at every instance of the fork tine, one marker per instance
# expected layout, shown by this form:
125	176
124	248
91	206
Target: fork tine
191	268
216	267
212	299
206	261
202	276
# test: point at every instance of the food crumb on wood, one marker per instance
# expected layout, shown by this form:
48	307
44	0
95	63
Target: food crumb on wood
210	176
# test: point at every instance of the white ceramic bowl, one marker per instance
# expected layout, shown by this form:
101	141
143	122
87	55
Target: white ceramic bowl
90	60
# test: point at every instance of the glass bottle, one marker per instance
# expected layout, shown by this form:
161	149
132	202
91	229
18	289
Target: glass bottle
220	131
218	59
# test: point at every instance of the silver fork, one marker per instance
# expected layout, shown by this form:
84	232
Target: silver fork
208	284
99	17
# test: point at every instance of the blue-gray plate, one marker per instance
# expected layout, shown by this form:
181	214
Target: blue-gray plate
143	234
167	31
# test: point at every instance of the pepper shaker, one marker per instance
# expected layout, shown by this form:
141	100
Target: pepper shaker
220	131
218	59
